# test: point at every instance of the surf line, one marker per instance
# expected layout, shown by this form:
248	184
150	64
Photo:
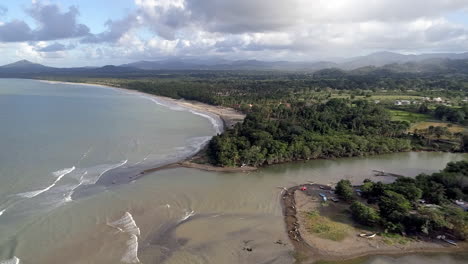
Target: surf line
59	174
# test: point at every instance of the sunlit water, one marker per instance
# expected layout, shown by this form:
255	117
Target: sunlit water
60	139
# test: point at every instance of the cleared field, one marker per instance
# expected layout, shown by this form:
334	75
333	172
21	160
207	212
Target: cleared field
398	115
451	127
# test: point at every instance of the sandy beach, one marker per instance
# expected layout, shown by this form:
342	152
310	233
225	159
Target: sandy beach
228	116
297	204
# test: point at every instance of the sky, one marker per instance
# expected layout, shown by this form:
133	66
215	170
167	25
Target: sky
69	33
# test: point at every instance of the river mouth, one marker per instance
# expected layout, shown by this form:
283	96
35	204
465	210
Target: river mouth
183	215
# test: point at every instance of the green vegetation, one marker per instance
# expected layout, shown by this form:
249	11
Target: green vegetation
325	228
401	209
338	128
302	115
344	190
392	239
364	214
451	114
410	117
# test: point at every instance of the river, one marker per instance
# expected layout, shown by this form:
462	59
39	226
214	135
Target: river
58	139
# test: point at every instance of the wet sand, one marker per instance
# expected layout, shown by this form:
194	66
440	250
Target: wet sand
310	247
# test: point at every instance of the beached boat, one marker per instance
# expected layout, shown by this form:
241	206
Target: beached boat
324	197
367	236
451	242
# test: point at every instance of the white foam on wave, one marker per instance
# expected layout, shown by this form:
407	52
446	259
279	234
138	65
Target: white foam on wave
113	167
13	260
126	224
59	174
165	104
94	178
216	122
68	198
187	215
2	211
131	255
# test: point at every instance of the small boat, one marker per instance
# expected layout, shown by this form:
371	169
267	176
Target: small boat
451	242
367	236
324	197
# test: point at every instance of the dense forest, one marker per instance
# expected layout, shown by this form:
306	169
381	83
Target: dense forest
300	115
236	88
338	128
421	205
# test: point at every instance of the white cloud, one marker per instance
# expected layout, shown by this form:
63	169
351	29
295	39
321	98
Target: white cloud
268	29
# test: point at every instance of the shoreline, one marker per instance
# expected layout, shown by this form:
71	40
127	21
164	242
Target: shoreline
311	248
228	117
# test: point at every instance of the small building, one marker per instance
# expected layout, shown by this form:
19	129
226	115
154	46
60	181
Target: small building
402	102
462	204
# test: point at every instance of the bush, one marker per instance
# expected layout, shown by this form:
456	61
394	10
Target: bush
364	214
344	190
394	206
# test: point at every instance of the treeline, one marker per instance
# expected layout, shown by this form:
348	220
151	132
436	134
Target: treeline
455	115
234	88
338	128
424	204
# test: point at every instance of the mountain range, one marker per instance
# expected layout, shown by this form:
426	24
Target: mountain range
382	60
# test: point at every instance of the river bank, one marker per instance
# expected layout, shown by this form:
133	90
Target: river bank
310	247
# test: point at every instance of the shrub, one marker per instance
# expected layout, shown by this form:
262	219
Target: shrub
344	190
364	214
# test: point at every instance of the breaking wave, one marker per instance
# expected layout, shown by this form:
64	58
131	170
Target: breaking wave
216	122
126	224
59	174
1	212
93	178
131	255
187	215
13	260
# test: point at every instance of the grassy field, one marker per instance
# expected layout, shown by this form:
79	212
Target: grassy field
453	128
398	115
324	227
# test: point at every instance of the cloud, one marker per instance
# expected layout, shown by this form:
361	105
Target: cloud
52	24
54	47
15	31
115	30
261	29
247	16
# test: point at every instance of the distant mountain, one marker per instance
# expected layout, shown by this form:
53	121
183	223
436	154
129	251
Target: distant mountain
220	64
380	59
372	63
25	66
